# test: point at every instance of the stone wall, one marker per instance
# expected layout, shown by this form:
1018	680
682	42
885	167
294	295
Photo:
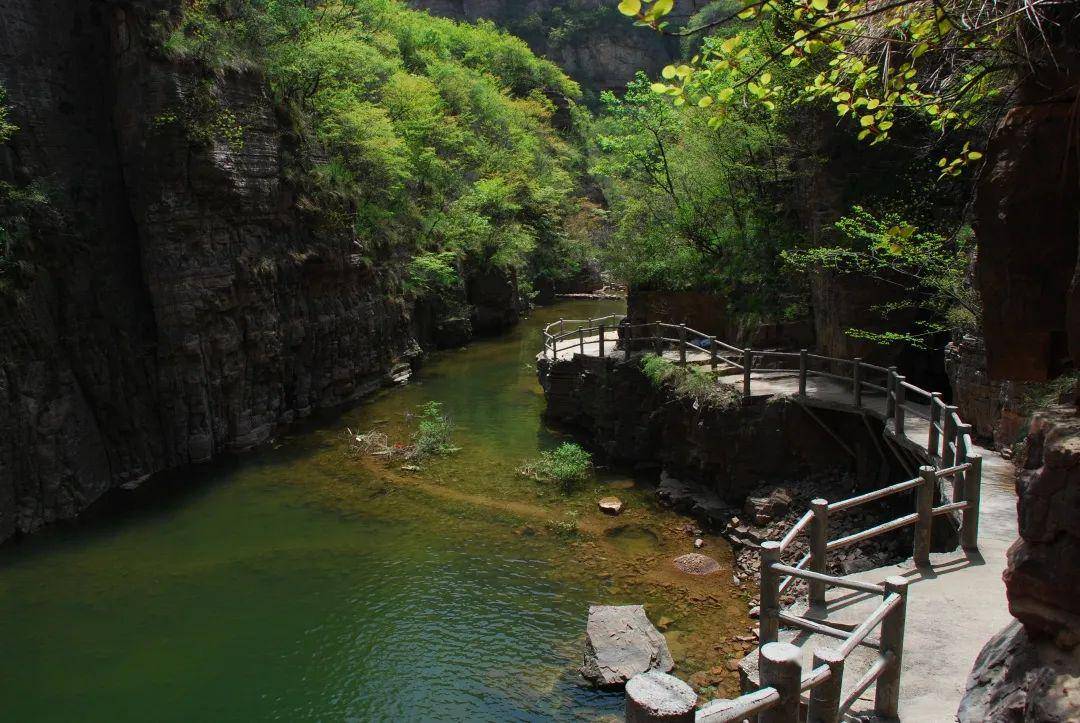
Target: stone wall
631	422
994	409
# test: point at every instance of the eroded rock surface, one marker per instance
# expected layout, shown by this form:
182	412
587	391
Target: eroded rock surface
620	642
695	563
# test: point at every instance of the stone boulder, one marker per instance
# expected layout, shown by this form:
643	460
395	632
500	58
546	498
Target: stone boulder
610	505
763	510
620	643
1017	678
695	563
1043	573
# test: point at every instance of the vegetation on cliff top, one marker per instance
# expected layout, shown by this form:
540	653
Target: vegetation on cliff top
412	133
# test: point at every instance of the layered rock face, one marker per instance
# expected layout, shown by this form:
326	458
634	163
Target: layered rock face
589	39
1031	670
181	307
994	409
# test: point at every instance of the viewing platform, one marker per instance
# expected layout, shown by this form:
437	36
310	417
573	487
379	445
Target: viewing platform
892	642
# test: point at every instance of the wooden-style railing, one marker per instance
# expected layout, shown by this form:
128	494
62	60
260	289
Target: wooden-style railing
950	457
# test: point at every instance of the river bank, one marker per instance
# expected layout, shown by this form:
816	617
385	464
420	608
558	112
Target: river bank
298	582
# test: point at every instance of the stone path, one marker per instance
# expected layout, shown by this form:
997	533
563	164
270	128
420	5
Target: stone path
954	607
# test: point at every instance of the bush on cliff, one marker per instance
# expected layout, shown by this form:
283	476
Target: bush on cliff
699	386
413	135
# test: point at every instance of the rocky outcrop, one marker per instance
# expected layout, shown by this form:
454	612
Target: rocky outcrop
589	39
1031	670
183	306
994	409
1017	679
1043	574
620	642
1027	214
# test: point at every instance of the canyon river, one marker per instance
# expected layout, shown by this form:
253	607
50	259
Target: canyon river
299	582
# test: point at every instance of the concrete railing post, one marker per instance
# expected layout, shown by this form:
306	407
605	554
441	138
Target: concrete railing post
887	698
748	362
682	344
856	383
890	389
659	340
934	440
581	340
924	507
802	372
819	540
769	608
825	697
969	533
962	430
898	411
781	668
562	326
603	331
948	436
712	353
544	339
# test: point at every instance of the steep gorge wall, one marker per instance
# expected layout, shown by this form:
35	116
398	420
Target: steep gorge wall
180	306
589	39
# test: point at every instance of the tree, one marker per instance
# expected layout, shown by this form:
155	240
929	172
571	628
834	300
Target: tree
949	62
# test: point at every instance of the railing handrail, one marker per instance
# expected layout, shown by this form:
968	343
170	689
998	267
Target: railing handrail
950	452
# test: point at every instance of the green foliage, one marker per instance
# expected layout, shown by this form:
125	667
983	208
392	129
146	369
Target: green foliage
875	63
411	132
927	271
567	465
433	435
7	128
695	203
699	386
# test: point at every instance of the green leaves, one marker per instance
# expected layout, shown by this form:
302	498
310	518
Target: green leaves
630	7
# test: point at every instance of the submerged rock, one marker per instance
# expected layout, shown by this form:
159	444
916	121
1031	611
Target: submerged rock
620	643
610	505
695	563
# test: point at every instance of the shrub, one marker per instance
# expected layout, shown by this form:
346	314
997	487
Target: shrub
433	433
697	385
567	464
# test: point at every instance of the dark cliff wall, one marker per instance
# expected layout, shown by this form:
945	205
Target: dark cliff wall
589	39
179	307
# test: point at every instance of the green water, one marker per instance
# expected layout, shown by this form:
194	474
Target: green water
300	583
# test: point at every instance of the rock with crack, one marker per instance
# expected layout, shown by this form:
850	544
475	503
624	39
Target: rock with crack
610	505
620	643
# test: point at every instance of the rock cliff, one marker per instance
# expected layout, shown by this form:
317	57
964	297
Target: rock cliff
179	303
589	39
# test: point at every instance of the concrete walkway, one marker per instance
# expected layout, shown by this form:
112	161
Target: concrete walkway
954	607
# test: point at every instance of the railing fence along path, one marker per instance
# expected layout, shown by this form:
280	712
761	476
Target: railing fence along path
950	457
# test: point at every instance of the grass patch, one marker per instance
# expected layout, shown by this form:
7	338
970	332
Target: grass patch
567	464
433	436
687	382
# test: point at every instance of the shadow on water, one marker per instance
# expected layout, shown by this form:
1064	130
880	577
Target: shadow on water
300	583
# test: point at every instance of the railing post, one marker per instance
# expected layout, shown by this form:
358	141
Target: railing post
962	430
682	344
747	360
933	441
969	533
887	697
898	412
602	332
856	383
659	339
712	352
562	325
781	668
924	506
890	390
802	372
819	540
825	698
544	339
581	339
769	608
948	436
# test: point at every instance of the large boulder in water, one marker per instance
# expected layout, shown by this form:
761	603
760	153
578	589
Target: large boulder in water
620	643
